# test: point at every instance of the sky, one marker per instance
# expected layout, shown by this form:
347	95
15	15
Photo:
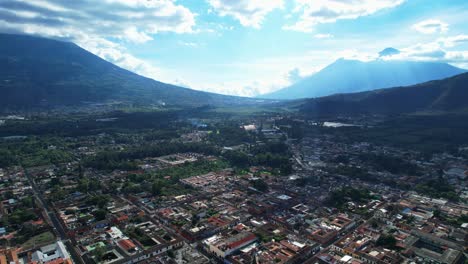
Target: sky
245	47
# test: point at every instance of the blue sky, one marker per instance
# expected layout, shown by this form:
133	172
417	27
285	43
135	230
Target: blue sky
245	47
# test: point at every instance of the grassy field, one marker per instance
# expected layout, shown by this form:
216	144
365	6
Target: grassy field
41	239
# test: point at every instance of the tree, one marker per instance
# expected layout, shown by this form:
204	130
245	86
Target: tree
386	241
8	159
286	169
8	195
195	219
20	216
237	158
260	185
410	219
57	194
100	214
99	252
28	201
55	181
340	196
170	253
156	187
80	171
374	223
69	211
99	200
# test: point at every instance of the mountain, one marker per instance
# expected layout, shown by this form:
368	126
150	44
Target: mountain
447	95
389	52
348	76
44	73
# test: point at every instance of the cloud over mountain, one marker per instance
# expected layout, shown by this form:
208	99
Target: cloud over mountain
101	27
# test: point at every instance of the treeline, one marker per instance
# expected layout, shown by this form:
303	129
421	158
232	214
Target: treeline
274	155
438	188
76	125
229	134
110	160
338	198
427	134
395	165
32	152
7	158
354	172
274	147
293	128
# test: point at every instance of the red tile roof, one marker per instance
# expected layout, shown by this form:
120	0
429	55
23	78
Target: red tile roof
246	239
127	244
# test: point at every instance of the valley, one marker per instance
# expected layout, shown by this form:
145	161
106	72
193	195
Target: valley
280	179
100	165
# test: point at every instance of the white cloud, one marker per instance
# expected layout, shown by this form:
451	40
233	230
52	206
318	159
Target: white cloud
281	72
323	36
250	88
247	88
431	26
294	75
118	55
453	41
133	20
108	50
189	44
250	13
133	35
313	12
262	76
439	50
96	26
354	54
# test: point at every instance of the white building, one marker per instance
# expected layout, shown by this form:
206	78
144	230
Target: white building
223	246
50	253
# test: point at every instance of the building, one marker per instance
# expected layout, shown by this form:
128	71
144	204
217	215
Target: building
223	246
53	253
324	236
432	249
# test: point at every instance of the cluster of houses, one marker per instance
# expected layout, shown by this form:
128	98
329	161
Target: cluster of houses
80	214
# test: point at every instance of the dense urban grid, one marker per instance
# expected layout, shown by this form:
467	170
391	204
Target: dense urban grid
267	188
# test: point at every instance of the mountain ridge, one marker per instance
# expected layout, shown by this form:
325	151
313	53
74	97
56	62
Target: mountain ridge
38	72
348	76
447	95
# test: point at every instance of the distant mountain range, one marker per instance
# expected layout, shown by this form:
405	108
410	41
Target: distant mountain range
448	95
349	76
43	73
39	73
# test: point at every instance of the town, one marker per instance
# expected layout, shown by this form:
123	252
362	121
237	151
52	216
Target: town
269	189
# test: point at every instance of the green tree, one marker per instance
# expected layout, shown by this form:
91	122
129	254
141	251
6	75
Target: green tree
386	241
100	214
156	187
260	185
99	252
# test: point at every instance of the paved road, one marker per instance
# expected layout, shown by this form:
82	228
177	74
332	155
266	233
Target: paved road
52	218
